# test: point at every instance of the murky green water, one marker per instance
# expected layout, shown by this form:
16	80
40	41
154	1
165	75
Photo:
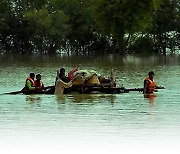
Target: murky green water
90	118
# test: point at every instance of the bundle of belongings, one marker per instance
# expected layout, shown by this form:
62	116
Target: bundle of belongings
85	77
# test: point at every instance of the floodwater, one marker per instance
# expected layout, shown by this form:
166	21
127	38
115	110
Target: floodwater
109	120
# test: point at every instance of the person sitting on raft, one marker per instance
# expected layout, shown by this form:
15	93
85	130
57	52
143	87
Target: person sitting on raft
111	80
149	83
38	82
30	84
62	83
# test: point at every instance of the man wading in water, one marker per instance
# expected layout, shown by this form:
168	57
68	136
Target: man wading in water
61	83
149	84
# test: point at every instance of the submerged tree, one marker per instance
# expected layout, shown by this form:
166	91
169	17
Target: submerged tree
47	29
166	26
81	26
117	18
4	24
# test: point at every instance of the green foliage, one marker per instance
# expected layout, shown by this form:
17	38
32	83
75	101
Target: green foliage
167	17
81	26
39	20
81	23
47	28
142	45
120	17
3	14
166	26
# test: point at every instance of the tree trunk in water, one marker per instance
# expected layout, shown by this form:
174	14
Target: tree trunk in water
53	47
164	44
121	43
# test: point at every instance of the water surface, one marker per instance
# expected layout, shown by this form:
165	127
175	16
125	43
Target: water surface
94	118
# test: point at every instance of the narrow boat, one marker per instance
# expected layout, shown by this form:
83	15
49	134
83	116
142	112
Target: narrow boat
83	89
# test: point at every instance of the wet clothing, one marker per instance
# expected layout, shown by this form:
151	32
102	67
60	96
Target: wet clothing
60	85
151	85
29	84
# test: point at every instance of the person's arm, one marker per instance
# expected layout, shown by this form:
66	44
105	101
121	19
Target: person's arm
29	85
146	83
71	73
57	76
65	85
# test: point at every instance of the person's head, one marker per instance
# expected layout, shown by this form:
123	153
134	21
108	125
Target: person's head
32	75
38	76
62	71
151	74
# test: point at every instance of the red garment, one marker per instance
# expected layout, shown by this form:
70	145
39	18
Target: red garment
71	73
38	84
151	85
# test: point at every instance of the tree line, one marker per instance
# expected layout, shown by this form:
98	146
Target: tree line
89	26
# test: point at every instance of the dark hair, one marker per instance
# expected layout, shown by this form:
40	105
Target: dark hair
38	75
151	73
62	70
32	75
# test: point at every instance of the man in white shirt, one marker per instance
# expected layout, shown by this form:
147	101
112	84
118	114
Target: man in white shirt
61	84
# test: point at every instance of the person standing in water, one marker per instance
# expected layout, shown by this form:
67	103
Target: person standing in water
149	84
61	83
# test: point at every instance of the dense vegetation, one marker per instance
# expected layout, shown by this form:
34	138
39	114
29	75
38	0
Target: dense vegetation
89	26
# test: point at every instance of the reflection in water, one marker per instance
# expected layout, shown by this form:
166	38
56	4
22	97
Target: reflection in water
81	101
151	98
92	98
32	100
61	99
85	98
100	61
